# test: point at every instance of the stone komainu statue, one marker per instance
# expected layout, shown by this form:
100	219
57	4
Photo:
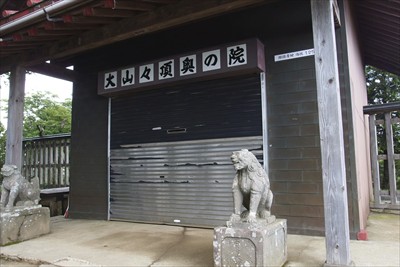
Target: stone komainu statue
251	188
15	188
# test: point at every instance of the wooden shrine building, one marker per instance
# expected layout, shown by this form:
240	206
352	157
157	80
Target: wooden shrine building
165	90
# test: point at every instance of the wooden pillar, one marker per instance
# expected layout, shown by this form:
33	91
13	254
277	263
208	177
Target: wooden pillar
390	158
15	117
331	135
373	143
264	121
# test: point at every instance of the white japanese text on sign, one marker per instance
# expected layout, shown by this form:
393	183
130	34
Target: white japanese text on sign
221	60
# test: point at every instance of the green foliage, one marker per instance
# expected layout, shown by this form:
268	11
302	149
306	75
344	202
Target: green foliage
45	116
384	87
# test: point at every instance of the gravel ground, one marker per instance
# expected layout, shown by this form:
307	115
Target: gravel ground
16	262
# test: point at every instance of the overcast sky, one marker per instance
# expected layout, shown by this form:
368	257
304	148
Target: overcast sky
33	83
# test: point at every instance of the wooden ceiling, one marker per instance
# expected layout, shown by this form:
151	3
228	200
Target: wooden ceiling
379	25
41	30
33	31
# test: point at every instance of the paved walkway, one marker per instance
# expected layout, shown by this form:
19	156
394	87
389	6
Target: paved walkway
103	243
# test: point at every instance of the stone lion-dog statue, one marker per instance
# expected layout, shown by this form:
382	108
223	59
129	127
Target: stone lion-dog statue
251	188
15	188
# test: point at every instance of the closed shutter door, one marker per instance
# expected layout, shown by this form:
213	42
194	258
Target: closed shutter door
170	150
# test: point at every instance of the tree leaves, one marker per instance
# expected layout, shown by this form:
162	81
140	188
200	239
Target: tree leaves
384	87
43	115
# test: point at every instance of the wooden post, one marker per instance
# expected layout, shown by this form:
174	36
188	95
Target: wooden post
264	122
15	117
390	158
331	135
374	159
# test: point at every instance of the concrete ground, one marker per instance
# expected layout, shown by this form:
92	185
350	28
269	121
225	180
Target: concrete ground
104	243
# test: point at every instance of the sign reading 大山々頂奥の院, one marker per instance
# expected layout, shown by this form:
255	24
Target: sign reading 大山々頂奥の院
231	59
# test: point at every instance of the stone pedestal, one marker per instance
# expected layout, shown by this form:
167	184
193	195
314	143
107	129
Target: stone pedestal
23	223
245	244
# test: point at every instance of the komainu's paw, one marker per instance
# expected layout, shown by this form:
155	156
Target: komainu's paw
244	214
234	218
251	218
264	214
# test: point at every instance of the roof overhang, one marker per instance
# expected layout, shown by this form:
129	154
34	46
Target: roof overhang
47	32
57	29
379	28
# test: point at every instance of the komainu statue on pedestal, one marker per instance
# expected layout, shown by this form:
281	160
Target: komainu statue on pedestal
251	188
15	188
253	237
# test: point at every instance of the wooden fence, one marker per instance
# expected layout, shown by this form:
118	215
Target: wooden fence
48	159
384	125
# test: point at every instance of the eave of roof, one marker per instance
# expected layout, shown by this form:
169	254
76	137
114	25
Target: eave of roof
379	25
54	35
89	24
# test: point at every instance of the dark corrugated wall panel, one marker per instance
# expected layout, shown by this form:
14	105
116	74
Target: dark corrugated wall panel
202	110
170	150
89	149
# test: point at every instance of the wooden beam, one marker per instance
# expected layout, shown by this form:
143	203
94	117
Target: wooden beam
331	135
128	5
164	17
107	12
87	20
67	26
161	18
42	32
54	71
33	2
15	117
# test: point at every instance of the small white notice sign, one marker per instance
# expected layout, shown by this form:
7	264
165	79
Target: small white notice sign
293	55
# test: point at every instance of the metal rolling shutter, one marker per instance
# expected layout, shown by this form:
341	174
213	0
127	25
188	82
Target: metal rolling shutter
170	150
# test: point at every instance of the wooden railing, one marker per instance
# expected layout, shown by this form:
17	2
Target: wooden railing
48	159
384	125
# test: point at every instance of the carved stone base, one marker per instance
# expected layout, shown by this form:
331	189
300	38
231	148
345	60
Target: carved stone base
23	223
247	244
351	264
